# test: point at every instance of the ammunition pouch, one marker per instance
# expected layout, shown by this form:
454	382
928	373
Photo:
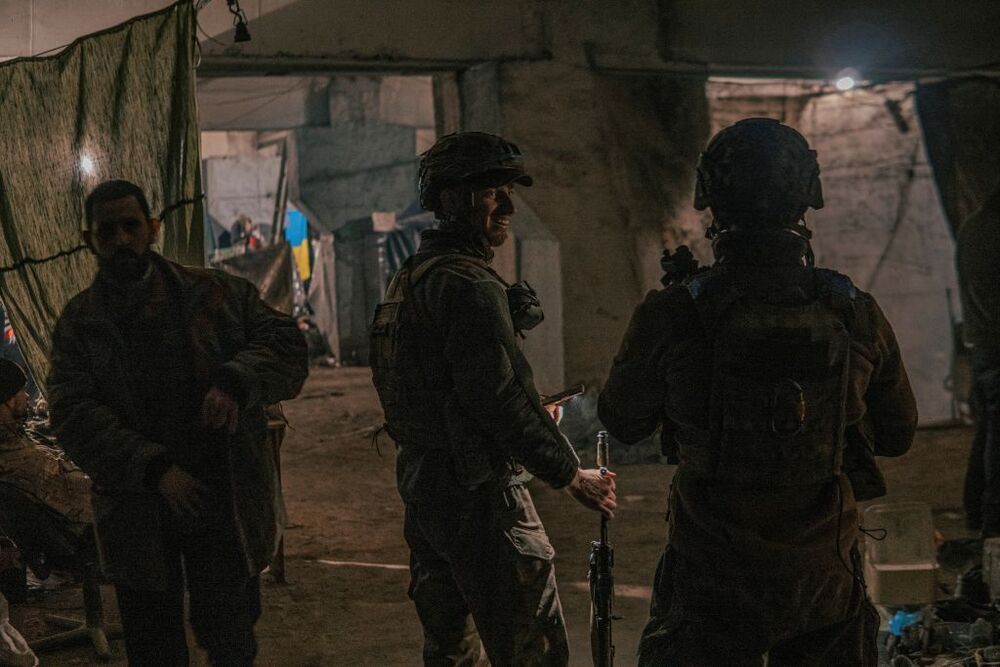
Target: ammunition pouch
525	309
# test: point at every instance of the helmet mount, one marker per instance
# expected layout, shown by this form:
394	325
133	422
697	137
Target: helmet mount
758	174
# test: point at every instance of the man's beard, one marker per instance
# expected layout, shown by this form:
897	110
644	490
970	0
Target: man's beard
497	234
124	266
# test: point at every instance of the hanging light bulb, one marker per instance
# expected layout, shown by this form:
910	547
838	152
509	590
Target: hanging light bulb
846	79
87	165
240	31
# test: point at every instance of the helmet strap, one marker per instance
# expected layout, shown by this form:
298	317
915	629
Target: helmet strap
460	221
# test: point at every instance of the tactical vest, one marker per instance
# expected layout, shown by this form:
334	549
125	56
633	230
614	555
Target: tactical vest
421	408
779	382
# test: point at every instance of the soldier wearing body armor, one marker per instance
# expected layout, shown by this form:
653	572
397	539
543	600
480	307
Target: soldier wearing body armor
462	408
761	369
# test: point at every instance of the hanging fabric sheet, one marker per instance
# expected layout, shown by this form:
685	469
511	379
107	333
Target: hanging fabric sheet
116	104
961	123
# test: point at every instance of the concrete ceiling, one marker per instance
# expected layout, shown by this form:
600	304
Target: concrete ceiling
819	36
31	27
386	29
811	36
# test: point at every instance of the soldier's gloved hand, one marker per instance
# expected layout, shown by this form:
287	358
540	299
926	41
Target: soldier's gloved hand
219	410
594	491
184	494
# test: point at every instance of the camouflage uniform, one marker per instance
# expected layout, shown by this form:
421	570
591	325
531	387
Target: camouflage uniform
461	406
45	502
47	476
762	524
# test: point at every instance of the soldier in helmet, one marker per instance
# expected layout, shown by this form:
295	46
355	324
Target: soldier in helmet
762	368
461	406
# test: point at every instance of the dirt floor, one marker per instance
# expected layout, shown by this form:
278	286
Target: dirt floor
346	604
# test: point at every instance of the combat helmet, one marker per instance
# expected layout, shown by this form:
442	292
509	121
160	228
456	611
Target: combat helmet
468	157
758	173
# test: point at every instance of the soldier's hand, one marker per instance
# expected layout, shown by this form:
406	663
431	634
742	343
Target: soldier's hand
219	410
595	491
184	494
555	411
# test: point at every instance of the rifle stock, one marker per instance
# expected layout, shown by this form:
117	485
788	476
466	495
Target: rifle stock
602	586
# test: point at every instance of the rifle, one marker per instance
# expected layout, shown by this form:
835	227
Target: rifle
678	265
602	584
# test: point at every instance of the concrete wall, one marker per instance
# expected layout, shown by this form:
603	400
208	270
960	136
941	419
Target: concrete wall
350	169
237	186
884	225
538	261
364	157
229	144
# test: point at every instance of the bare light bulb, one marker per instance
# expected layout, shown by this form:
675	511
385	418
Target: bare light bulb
87	164
846	79
845	83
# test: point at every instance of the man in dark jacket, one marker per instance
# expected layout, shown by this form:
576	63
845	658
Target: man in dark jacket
978	263
461	406
159	379
760	369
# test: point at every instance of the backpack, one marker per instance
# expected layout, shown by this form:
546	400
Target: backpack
779	382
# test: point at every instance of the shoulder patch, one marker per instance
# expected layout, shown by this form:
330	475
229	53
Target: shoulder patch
703	283
836	283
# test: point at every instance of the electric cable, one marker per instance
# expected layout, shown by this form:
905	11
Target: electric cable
271	100
32	261
209	37
901	208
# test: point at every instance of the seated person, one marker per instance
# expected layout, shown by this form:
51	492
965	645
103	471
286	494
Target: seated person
44	498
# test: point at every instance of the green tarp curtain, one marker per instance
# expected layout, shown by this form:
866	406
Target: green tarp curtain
115	104
961	124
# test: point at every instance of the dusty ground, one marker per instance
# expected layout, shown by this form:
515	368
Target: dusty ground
346	604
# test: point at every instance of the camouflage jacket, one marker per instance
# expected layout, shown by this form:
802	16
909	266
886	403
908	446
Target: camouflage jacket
46	475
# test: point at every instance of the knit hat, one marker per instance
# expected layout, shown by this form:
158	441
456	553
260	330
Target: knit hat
12	379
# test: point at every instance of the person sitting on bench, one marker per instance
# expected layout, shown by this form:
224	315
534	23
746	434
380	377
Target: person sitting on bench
46	508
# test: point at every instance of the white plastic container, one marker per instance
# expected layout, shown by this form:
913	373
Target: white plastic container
991	566
902	568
